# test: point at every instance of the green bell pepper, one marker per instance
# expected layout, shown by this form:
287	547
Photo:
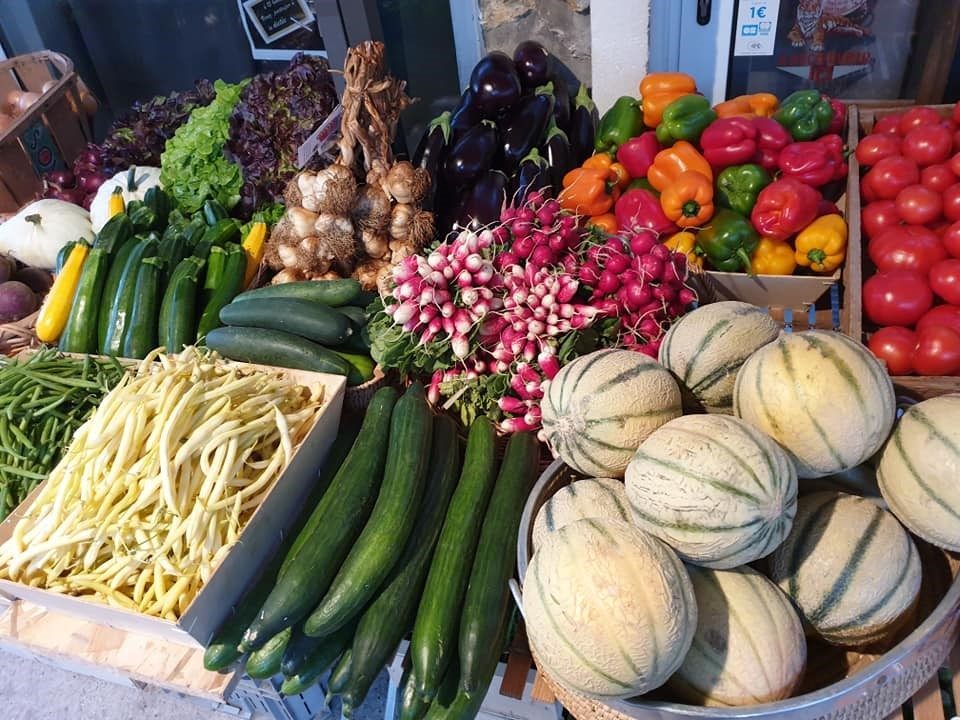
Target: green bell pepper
728	241
618	124
685	119
643	184
806	114
739	185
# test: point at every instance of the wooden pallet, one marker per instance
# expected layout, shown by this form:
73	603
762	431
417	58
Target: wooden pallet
938	699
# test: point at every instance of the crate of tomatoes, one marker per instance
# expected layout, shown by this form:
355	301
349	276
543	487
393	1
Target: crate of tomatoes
908	163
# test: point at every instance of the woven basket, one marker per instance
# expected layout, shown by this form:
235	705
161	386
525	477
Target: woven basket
838	684
356	399
18	336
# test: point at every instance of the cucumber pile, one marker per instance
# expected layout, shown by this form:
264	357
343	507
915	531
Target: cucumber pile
409	536
315	325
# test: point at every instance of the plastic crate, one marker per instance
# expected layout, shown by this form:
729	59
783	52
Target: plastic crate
261	698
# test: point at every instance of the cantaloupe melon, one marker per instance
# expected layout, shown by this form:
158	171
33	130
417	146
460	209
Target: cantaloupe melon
849	567
919	472
600	407
592	498
715	489
749	646
609	608
707	347
822	396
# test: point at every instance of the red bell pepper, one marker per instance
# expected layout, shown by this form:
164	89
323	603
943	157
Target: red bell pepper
816	162
834	144
772	137
638	210
729	141
637	153
784	208
827	207
839	116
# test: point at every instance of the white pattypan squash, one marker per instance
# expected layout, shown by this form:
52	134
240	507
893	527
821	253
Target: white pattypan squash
133	182
36	234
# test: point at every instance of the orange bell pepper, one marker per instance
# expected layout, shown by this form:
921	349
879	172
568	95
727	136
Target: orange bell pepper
688	200
674	160
756	105
657	90
606	222
604	161
589	191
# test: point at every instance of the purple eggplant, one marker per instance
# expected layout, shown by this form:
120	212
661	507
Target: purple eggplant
494	84
533	63
435	138
465	115
561	104
485	201
524	128
559	155
583	126
472	154
533	174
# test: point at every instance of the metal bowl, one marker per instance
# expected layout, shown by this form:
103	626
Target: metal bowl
870	693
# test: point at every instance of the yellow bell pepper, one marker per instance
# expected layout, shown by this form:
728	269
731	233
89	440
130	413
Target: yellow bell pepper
253	245
115	204
822	245
685	242
773	257
56	308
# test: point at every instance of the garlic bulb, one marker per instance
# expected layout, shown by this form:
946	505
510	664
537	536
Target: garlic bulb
288	275
421	228
372	208
302	221
400	219
406	184
329	223
334	190
374	244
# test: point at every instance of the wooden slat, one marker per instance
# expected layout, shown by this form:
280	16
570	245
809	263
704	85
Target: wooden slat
18	174
852	315
541	691
927	704
939	25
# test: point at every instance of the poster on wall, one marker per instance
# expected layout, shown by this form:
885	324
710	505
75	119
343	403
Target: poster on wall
279	29
844	48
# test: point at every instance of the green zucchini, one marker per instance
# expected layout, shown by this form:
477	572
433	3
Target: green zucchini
62	256
329	292
121	305
213	212
172	249
178	308
114	233
157	200
356	315
390	616
277	348
340	675
310	320
331	529
381	543
361	367
265	662
142	217
140	333
412	706
80	333
117	264
230	283
487	604
225	231
433	644
325	652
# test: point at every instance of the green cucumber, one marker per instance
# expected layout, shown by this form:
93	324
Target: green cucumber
265	662
178	307
329	292
390	616
412	706
447	694
340	675
331	529
310	320
356	315
121	305
230	283
434	640
325	652
80	333
487	604
277	348
140	333
358	343
381	543
363	298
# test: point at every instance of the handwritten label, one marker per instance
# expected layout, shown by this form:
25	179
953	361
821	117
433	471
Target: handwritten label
275	18
756	28
322	138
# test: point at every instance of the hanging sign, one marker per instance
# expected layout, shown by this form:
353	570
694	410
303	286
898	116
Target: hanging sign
279	29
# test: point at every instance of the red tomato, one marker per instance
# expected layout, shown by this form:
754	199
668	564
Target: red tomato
951	202
945	280
937	351
867	193
927	144
918	117
879	216
955	115
918	205
946	315
888	124
937	177
939	228
891	175
956	141
898	297
954	163
894	346
907	247
877	146
951	239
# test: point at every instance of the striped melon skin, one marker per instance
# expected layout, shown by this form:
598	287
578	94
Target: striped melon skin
850	568
715	489
600	407
610	610
707	347
593	498
749	646
919	472
822	396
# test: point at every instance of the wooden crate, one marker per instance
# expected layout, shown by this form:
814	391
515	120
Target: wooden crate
49	135
861	121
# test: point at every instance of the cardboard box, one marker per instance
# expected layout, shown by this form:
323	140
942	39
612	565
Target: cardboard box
244	563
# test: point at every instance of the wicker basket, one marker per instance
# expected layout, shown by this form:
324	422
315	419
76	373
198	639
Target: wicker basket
357	398
838	684
18	336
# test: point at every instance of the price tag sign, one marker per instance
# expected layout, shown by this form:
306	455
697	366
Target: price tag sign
321	139
756	27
